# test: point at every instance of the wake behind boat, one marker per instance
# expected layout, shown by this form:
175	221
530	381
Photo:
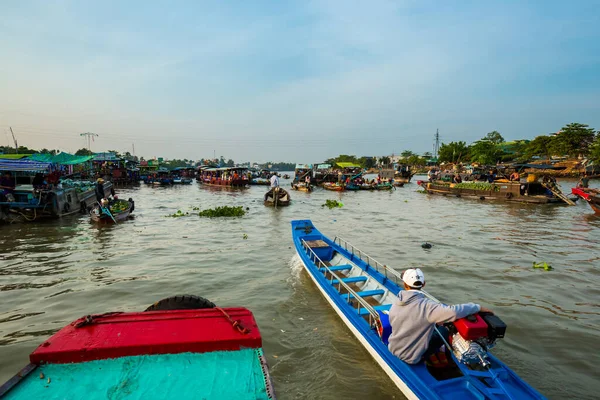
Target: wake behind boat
362	290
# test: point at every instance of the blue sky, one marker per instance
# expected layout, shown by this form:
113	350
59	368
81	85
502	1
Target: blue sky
299	81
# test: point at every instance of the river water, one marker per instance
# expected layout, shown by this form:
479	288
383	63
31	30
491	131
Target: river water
52	273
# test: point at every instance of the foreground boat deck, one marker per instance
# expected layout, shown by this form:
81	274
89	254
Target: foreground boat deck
216	375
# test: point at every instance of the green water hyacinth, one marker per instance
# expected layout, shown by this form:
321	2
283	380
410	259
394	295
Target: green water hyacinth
332	204
542	265
225	211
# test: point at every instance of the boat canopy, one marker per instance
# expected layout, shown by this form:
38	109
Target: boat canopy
304	166
224	169
323	166
108	156
24	166
347	165
60	158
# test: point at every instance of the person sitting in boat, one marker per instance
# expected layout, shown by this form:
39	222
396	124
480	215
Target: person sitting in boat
413	318
99	190
7	187
515	177
456	179
432	174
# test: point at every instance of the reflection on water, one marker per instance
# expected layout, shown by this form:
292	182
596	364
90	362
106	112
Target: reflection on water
55	272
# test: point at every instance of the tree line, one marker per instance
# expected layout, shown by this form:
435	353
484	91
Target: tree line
573	140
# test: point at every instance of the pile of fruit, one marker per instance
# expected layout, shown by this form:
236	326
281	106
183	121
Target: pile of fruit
119	206
475	186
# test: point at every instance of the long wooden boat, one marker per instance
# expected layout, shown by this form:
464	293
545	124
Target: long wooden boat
361	291
520	192
592	196
384	186
333	187
166	353
119	209
277	197
235	177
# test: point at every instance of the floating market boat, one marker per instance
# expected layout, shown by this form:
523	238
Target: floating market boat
277	197
384	186
33	202
592	196
362	290
286	176
351	187
182	347
333	186
225	177
117	211
403	174
503	190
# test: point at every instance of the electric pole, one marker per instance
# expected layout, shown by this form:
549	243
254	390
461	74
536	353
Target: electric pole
90	136
436	143
14	140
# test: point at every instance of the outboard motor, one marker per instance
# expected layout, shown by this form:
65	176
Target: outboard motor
471	337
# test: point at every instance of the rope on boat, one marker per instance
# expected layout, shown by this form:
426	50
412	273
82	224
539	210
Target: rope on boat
235	323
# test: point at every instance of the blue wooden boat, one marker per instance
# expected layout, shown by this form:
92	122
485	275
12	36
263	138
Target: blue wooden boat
183	347
361	291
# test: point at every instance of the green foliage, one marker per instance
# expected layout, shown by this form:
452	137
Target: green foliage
573	140
407	154
178	214
84	152
367	162
485	152
595	151
170	164
494	137
230	163
225	211
280	166
427	155
415	160
342	158
332	204
540	146
384	161
453	152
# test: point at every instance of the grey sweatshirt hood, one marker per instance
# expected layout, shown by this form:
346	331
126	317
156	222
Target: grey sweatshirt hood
413	317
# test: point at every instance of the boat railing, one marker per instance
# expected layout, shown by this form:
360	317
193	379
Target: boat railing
373	315
383	269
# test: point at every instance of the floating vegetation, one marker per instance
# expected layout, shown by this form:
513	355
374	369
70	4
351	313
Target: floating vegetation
542	265
224	211
178	214
332	204
245	236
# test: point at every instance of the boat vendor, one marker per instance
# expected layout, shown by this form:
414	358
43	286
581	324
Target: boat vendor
584	182
7	187
99	190
274	180
515	176
456	178
432	174
414	316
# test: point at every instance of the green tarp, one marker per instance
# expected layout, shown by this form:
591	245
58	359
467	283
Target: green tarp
61	158
347	165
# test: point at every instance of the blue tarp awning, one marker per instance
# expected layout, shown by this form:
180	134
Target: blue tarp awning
24	165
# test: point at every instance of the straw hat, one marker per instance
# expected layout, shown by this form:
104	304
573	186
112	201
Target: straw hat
100	180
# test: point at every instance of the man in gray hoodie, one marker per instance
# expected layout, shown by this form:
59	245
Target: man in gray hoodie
413	318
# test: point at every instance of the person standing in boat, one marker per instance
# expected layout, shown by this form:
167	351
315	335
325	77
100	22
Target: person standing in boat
99	190
413	318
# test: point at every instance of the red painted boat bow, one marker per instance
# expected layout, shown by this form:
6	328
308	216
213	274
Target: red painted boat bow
115	335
